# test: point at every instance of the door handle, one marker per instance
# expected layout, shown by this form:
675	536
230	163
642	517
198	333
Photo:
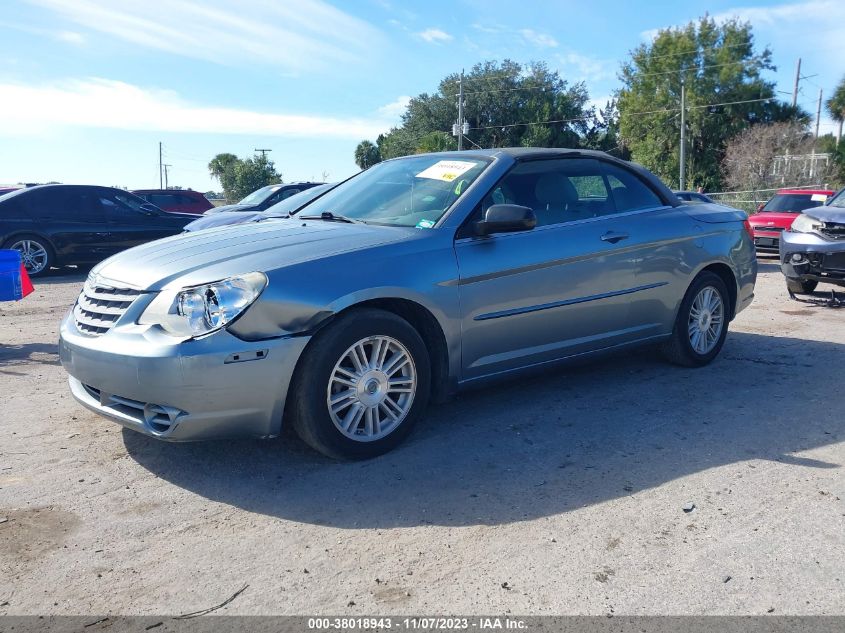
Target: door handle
613	237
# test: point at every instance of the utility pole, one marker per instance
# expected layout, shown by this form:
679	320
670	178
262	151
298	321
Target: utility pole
681	177
159	165
165	174
461	128
818	113
797	79
263	151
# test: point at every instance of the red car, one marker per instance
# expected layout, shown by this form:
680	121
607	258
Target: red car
176	200
778	214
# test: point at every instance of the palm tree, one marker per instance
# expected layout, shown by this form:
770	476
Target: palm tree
220	164
836	107
367	155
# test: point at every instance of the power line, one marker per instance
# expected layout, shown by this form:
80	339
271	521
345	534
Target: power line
589	118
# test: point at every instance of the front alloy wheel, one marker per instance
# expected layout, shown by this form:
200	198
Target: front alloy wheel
372	388
361	385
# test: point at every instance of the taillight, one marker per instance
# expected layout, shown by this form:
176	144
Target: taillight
748	229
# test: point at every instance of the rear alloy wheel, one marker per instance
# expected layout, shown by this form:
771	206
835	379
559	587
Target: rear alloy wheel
702	323
361	385
797	286
36	254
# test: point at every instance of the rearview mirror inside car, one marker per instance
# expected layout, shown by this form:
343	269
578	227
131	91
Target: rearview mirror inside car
506	218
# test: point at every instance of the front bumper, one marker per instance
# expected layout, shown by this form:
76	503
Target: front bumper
213	387
817	259
766	241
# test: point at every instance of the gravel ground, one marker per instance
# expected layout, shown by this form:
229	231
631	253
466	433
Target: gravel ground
562	494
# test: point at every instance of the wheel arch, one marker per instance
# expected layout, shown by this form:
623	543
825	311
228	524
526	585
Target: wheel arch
727	275
17	234
426	325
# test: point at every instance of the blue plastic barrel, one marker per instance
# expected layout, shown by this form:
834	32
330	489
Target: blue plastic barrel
10	276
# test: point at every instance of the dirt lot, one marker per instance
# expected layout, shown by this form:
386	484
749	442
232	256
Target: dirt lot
562	494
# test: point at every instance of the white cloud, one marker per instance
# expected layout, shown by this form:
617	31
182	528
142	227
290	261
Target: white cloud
395	109
484	28
541	40
71	37
103	103
586	67
297	36
435	36
649	35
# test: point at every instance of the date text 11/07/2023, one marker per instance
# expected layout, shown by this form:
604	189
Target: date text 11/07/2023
413	624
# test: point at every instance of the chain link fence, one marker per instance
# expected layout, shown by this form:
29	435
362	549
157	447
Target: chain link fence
749	201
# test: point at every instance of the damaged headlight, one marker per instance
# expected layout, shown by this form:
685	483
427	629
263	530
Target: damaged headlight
203	309
806	224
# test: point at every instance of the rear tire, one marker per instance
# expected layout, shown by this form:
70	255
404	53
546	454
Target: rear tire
797	286
702	323
36	253
362	385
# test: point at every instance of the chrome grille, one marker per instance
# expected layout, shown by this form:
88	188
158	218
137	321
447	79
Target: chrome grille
99	307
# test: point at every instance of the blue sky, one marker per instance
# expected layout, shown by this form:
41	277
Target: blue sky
88	88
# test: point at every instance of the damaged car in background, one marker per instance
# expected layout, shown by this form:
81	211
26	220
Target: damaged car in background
812	250
414	279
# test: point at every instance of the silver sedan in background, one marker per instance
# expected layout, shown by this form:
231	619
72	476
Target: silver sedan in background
416	278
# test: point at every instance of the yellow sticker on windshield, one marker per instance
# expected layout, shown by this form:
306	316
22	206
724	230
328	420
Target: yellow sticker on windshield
446	170
818	197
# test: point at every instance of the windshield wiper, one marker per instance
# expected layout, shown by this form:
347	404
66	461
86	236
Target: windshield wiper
328	216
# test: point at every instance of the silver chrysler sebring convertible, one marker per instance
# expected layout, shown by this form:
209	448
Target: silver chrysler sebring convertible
411	280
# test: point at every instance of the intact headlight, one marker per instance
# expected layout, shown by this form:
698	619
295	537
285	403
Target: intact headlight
806	224
202	309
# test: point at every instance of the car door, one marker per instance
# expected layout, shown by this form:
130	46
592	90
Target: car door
70	217
130	224
558	290
664	251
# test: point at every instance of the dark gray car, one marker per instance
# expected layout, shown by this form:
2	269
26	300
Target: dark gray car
281	209
813	249
416	278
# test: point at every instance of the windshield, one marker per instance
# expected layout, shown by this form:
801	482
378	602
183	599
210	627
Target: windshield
259	195
293	204
412	191
791	203
838	200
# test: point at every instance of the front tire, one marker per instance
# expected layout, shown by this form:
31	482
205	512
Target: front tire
797	286
363	383
702	323
36	253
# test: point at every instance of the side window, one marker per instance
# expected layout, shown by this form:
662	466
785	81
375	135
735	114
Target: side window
558	190
163	200
628	191
283	194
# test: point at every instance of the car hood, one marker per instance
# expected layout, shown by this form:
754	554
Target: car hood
195	258
827	214
232	207
772	218
221	219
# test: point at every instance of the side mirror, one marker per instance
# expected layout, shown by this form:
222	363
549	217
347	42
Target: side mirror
760	206
506	218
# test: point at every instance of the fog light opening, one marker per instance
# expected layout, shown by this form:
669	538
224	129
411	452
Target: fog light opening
797	258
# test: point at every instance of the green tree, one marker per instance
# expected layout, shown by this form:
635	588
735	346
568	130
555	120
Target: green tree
253	173
836	107
366	155
222	168
507	104
718	64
